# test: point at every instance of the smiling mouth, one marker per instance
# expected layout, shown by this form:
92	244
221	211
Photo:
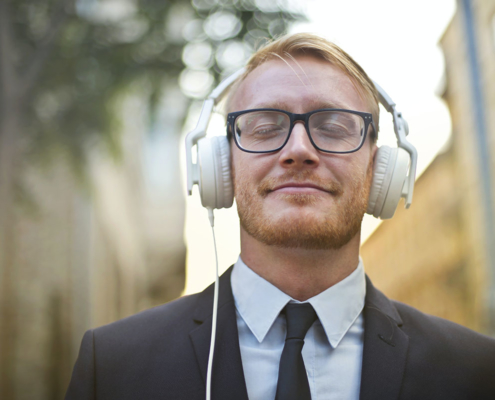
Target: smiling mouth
306	183
299	187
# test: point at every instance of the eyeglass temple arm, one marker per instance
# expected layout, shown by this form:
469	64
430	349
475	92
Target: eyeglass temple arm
401	129
199	132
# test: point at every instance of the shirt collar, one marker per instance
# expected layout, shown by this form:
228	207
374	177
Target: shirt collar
259	302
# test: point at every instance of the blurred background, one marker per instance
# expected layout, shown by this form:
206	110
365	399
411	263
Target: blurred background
96	97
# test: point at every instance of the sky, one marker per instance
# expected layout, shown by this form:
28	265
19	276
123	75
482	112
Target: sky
396	42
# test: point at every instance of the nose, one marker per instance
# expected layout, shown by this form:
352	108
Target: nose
299	151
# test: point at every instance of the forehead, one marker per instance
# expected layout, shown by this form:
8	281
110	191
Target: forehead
298	85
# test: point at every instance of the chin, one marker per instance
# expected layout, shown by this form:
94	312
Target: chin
303	216
303	229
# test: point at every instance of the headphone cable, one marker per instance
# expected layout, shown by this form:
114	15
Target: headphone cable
215	309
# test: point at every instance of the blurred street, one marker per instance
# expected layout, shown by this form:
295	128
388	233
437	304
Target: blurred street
96	97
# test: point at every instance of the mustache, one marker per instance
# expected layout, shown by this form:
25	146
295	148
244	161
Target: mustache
268	184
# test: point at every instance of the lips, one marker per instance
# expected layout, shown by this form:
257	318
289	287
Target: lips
302	182
299	186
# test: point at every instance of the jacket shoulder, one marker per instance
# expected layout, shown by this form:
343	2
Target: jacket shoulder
117	359
421	323
443	341
163	320
450	360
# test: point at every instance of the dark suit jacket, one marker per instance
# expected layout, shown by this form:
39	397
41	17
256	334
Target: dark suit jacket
162	353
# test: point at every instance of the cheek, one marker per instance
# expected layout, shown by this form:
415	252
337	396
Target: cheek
347	168
242	174
247	167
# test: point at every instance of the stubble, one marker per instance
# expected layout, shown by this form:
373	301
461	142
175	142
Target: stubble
305	229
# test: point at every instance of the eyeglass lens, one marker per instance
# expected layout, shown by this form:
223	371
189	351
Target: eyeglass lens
337	131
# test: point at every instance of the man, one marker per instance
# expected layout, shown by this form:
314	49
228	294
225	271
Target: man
297	317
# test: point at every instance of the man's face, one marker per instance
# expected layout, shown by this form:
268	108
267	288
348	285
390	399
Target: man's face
300	197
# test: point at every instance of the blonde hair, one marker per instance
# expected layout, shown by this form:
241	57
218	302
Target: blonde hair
309	44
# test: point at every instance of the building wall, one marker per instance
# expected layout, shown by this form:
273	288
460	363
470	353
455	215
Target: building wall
419	256
88	254
433	256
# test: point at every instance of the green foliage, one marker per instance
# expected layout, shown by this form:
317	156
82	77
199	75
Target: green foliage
85	54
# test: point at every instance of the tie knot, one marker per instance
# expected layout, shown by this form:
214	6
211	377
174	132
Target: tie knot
299	317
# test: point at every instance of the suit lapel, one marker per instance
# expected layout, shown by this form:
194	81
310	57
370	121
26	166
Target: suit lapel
385	348
228	376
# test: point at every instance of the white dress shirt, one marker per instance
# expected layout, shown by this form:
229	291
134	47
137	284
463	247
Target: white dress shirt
333	347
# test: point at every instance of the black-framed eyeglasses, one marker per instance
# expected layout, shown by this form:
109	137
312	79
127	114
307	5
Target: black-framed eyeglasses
331	130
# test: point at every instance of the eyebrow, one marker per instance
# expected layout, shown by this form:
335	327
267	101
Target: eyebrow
312	105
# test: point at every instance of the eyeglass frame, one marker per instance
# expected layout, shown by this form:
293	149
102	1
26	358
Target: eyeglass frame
367	118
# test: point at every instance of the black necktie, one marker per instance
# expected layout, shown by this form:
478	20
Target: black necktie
292	378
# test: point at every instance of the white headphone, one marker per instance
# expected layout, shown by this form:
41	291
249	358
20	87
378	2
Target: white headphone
394	169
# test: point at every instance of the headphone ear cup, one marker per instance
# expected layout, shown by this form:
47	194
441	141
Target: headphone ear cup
215	179
389	174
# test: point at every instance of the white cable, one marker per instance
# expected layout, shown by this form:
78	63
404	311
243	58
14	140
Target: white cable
215	309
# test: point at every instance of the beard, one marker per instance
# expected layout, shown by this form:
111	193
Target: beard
305	229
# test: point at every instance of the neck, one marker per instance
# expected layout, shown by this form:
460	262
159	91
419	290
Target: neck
300	273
